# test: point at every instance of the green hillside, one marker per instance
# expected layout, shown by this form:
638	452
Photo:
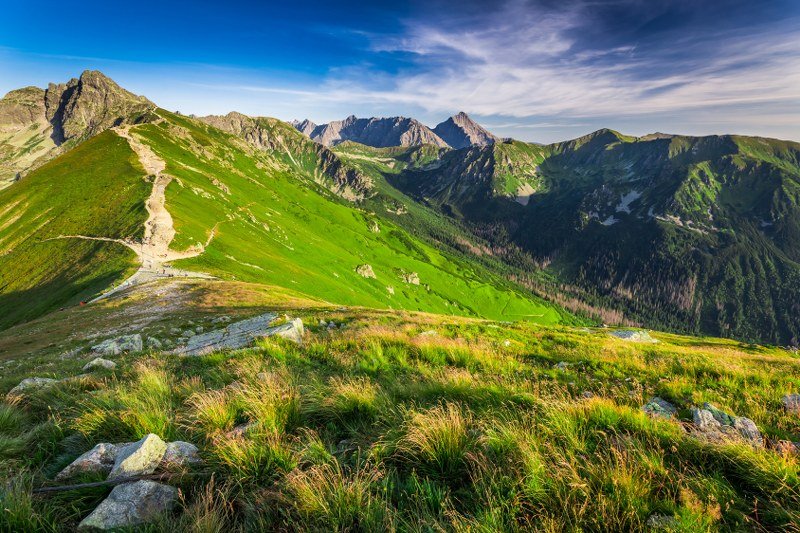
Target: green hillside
696	234
283	214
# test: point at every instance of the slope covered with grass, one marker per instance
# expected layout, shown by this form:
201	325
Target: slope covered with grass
98	190
398	421
266	216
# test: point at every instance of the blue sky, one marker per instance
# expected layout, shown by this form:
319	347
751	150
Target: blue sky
541	70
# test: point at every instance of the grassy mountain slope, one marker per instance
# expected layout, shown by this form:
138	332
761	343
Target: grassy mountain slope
697	234
278	212
97	190
406	421
262	217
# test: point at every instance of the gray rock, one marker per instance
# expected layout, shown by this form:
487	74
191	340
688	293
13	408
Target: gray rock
562	366
139	458
154	343
131	504
221	319
460	131
99	459
631	335
241	430
411	278
721	416
199	329
658	407
791	403
99	362
704	420
749	431
241	334
188	333
175	331
180	454
32	384
126	343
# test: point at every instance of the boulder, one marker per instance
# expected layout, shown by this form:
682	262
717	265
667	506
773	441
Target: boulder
31	384
791	403
99	459
234	336
154	343
126	343
411	278
720	416
180	454
749	431
660	408
99	362
661	522
131	504
139	458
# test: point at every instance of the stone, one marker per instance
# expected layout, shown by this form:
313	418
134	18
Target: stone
131	504
180	454
658	407
365	271
199	329
631	335
221	319
322	323
126	343
99	362
749	431
99	459
188	333
562	366
31	384
234	336
139	458
791	403
292	330
721	416
704	420
175	331
154	343
240	430
587	395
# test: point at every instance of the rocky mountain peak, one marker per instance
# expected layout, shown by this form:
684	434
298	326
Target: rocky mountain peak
460	131
376	132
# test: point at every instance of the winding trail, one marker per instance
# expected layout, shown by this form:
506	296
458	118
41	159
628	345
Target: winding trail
153	251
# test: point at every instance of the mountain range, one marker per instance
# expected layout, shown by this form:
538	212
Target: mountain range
692	234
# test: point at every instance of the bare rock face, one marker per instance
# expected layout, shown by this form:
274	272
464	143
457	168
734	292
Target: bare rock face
376	132
90	104
304	126
292	330
99	459
21	108
460	131
131	504
139	458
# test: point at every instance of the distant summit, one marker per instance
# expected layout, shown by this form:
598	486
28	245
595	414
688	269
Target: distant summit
460	131
375	132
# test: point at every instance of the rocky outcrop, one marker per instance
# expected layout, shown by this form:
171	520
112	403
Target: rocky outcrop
306	127
126	343
179	454
365	271
272	135
131	504
139	458
241	334
376	132
460	131
21	108
90	104
632	335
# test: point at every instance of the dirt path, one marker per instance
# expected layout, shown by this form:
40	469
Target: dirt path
153	252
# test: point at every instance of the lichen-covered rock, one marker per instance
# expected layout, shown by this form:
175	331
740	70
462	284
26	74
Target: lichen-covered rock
125	343
99	459
748	430
658	407
365	271
131	504
791	403
139	458
32	384
718	426
720	416
179	453
154	343
99	362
